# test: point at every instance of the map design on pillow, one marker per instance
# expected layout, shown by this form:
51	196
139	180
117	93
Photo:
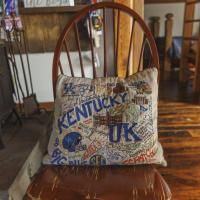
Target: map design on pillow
106	121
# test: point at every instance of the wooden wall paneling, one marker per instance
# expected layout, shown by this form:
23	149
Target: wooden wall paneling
43	29
34	33
187	33
82	30
51	31
63	20
124	36
196	82
168	40
138	6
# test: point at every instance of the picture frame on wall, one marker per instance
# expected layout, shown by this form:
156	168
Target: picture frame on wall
47	3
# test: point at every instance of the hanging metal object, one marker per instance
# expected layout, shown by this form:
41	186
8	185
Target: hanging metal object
31	105
15	36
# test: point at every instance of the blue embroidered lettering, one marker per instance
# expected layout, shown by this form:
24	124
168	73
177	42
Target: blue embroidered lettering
129	130
105	99
123	97
70	119
88	104
80	112
111	133
61	124
69	89
99	108
113	101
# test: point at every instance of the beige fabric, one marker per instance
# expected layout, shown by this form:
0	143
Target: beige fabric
106	121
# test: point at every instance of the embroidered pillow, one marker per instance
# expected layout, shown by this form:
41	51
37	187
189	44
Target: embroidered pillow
106	121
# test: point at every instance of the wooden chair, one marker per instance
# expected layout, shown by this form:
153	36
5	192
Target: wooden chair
109	182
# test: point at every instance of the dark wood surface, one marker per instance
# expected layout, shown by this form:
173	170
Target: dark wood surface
105	183
179	133
43	26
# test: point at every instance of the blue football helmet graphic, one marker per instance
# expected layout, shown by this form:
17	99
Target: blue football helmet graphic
71	140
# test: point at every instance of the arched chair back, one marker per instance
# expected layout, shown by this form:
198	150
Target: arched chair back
71	30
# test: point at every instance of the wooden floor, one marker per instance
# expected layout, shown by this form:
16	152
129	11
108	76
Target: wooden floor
179	132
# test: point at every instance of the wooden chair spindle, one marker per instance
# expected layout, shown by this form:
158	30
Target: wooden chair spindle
60	67
79	49
104	35
92	47
117	42
141	52
130	47
69	59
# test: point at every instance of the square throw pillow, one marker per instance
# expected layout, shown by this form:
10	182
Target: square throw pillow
106	121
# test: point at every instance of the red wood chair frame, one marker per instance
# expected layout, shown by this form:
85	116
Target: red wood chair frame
41	187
